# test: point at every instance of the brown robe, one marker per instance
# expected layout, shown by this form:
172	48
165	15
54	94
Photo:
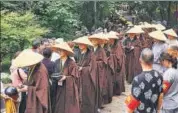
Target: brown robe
109	75
101	60
88	84
129	60
147	42
67	96
119	68
137	50
38	91
110	78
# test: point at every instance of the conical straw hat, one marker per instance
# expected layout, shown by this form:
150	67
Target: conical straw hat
170	32
101	36
63	46
159	35
27	58
159	27
112	35
83	40
135	30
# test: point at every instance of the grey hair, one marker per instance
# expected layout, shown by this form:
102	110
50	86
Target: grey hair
147	56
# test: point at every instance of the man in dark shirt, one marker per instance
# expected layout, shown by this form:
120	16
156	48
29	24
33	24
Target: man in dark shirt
146	89
47	62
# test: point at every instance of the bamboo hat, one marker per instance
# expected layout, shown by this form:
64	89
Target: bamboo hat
101	36
63	46
135	30
147	25
83	40
112	35
159	27
159	35
27	58
170	32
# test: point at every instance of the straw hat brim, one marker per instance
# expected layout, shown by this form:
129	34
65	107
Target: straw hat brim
27	58
113	35
170	32
159	35
63	46
83	40
135	30
159	27
100	36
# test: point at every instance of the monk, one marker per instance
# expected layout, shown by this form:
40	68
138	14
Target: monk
117	55
87	74
130	56
66	98
101	60
38	98
137	51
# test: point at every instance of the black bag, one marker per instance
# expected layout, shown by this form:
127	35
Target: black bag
56	76
11	91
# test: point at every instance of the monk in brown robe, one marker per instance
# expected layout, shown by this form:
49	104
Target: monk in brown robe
116	50
101	61
137	50
129	57
66	70
87	74
38	100
130	44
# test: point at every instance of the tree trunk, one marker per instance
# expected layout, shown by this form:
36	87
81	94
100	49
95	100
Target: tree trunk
169	13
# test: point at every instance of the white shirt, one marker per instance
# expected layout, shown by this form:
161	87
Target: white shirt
55	56
172	42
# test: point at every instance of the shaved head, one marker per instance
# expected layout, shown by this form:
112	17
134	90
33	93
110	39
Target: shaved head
147	56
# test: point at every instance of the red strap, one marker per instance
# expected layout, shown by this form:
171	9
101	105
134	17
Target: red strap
166	86
132	103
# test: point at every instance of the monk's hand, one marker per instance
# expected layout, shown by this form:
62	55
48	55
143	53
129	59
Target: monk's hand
132	47
63	78
80	68
23	88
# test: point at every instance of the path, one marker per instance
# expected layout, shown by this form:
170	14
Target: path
117	105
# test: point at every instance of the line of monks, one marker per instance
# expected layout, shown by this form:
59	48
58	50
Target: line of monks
98	72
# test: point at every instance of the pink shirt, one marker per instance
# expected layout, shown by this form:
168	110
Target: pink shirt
16	81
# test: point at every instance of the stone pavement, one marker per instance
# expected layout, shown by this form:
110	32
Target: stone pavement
117	105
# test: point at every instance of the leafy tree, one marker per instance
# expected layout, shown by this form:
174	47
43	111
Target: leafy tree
17	31
60	17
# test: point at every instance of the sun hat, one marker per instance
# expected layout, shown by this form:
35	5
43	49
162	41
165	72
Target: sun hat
101	36
83	40
159	35
170	32
135	30
27	58
113	35
159	27
63	46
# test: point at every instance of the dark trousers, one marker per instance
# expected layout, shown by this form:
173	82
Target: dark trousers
22	106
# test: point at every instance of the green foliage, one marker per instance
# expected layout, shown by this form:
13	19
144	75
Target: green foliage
59	16
5	78
17	30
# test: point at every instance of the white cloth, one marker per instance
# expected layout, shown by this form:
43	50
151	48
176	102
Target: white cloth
54	56
172	42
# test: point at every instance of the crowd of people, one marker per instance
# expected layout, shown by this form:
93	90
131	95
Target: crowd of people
82	75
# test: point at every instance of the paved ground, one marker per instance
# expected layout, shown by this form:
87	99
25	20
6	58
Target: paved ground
117	105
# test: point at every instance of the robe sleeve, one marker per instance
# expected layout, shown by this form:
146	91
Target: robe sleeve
92	69
40	89
73	70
